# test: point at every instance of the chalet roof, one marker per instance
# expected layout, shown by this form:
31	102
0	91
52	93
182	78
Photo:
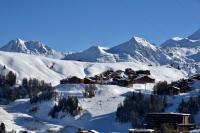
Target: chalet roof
73	77
143	76
171	113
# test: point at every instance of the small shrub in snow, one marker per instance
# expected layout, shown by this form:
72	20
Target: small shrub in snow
90	91
34	109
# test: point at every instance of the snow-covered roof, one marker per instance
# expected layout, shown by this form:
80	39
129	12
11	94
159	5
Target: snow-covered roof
93	131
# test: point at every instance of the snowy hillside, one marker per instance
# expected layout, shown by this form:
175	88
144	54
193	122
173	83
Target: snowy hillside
52	70
31	47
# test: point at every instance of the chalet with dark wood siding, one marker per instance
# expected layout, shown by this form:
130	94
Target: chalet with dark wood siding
145	72
129	71
72	80
124	82
179	121
89	81
143	79
119	77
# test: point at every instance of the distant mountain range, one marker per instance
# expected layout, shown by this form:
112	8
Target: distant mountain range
135	49
176	51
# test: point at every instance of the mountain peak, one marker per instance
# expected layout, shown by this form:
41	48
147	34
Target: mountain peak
30	47
92	54
181	43
19	40
195	35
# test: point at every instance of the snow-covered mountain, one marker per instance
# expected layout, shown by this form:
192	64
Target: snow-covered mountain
141	50
181	42
184	52
31	47
179	52
92	54
195	57
183	46
135	49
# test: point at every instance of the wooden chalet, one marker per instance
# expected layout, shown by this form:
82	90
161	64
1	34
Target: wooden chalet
72	80
89	81
107	73
145	72
129	71
141	131
123	82
117	74
143	79
179	121
122	78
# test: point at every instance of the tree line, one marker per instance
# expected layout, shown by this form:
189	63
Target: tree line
68	105
192	106
32	88
136	106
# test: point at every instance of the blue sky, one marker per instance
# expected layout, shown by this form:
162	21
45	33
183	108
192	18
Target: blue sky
73	25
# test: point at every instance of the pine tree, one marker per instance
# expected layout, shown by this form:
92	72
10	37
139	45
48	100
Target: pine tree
2	128
11	78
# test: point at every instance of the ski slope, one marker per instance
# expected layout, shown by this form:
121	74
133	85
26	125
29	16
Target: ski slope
52	70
